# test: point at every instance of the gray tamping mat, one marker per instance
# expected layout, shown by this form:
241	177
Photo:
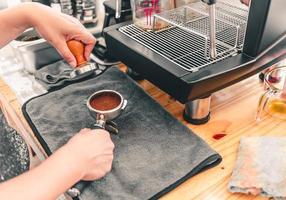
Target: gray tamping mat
57	75
14	154
154	152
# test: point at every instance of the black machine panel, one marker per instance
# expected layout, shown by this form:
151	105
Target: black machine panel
266	24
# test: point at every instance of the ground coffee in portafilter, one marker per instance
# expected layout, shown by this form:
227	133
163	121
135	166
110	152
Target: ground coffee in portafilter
105	101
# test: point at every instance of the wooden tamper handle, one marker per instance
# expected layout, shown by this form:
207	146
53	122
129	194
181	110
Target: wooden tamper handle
77	49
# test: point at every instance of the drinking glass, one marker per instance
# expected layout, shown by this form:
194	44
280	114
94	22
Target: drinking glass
273	101
144	10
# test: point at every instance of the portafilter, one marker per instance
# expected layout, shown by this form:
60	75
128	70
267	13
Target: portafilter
104	106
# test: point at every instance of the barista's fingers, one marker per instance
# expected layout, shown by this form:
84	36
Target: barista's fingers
87	50
89	42
246	2
64	51
80	34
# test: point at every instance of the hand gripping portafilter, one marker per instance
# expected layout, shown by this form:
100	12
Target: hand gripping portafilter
104	106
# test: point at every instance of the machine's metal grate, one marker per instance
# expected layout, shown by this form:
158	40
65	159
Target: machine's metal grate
184	49
186	41
233	14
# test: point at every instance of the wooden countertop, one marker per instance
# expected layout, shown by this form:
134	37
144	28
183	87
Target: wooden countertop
232	113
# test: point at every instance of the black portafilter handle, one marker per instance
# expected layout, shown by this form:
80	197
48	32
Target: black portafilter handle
78	188
209	2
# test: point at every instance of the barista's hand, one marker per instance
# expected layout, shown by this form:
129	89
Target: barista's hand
93	150
58	28
88	155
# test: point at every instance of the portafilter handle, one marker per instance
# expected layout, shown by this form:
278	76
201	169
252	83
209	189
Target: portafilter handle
110	126
77	189
101	122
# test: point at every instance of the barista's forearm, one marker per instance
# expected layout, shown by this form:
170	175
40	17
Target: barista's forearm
13	21
47	181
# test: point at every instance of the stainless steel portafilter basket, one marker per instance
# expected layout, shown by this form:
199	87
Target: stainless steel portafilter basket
103	118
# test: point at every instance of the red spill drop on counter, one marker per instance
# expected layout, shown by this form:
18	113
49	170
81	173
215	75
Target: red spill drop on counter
219	136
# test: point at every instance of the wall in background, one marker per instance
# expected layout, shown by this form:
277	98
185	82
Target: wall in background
3	4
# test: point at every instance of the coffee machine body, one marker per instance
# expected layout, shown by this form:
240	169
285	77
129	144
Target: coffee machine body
171	59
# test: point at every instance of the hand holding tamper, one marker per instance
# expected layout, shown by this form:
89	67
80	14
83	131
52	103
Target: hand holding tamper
82	66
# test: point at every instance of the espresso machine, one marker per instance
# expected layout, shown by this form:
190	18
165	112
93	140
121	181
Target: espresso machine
204	47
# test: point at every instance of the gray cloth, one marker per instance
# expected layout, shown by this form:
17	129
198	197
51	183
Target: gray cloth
154	152
14	154
57	75
260	167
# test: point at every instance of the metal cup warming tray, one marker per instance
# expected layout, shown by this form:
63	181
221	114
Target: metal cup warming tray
178	58
191	23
